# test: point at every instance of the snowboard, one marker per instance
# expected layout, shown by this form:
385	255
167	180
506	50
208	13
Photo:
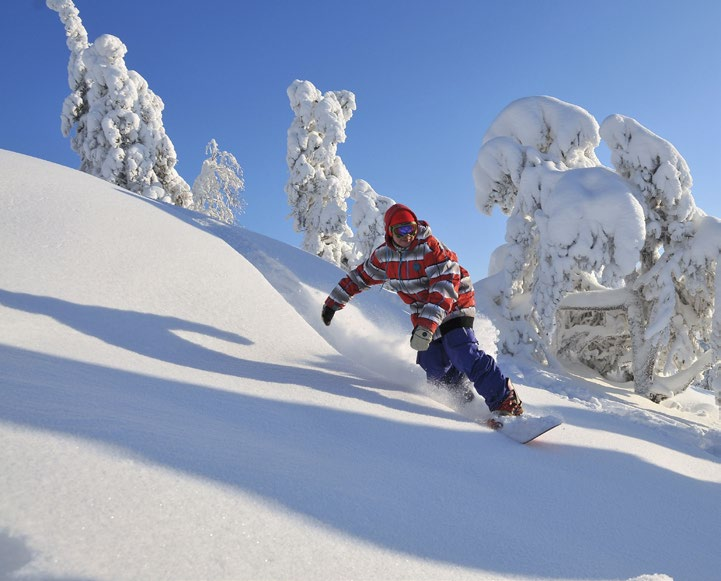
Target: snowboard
522	429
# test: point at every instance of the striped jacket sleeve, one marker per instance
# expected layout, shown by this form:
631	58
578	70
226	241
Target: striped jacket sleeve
365	275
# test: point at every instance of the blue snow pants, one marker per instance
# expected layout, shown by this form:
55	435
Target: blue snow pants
456	354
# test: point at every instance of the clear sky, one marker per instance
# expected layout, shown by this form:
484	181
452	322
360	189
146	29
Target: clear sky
429	78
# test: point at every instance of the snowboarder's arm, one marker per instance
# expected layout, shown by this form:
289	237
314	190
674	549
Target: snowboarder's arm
364	276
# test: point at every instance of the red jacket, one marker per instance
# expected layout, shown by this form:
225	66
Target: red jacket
426	276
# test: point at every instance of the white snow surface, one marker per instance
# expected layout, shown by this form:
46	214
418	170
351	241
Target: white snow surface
172	408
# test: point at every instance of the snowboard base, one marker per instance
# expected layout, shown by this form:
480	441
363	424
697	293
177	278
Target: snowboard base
522	429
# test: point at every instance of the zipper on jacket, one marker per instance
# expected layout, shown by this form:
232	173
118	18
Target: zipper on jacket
401	282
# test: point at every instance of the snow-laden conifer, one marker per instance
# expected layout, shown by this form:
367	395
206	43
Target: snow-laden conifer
117	119
319	183
676	279
538	164
217	190
367	216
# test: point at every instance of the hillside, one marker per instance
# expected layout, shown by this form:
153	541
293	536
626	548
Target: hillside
173	408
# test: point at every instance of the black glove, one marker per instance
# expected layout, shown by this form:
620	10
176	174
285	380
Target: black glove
421	338
327	314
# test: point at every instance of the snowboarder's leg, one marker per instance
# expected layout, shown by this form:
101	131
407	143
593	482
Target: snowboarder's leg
461	347
452	377
441	372
456	383
434	362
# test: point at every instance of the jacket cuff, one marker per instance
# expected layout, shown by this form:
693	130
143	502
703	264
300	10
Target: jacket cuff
428	324
331	304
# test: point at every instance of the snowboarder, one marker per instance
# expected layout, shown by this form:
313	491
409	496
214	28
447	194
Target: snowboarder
427	277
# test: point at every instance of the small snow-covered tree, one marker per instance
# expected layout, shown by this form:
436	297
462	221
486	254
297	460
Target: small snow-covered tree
216	191
119	133
319	183
367	218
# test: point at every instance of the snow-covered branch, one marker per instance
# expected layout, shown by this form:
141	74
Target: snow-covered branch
367	214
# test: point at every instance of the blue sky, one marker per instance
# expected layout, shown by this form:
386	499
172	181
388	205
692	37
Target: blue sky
429	78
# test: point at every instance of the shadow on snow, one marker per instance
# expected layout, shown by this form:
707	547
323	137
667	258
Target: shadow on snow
421	490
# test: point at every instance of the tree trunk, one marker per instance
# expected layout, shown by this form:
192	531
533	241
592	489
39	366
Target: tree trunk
644	352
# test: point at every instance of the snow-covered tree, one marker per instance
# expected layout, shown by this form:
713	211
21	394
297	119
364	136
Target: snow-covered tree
367	216
629	244
217	190
319	183
538	164
119	133
676	278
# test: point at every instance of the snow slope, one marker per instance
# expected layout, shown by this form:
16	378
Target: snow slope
172	408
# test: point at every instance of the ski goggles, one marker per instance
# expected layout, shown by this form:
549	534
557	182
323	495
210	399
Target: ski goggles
402	230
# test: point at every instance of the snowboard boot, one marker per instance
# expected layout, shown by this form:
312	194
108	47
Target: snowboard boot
511	405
